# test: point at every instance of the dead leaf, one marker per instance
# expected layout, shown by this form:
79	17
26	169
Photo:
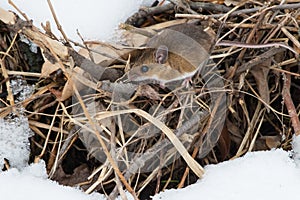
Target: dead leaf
260	74
79	175
68	88
7	17
48	68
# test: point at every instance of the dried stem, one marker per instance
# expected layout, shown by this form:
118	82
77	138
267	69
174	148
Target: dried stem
59	27
289	103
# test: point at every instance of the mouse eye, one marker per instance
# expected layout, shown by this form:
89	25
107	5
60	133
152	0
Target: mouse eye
144	68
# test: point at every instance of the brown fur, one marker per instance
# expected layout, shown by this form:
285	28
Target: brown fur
188	46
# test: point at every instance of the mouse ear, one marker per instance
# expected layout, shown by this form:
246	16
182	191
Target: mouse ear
161	54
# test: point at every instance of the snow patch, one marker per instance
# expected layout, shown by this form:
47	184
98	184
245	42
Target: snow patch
258	175
31	184
95	20
14	143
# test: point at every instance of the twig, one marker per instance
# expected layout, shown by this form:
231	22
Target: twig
6	164
250	129
161	3
145	12
256	46
69	141
47	29
5	72
85	45
248	40
286	95
258	59
277	66
209	6
243	21
59	27
99	52
102	73
251	10
36	160
187	169
250	26
252	144
140	31
276	28
196	16
113	150
180	4
16	73
22	13
159	173
291	37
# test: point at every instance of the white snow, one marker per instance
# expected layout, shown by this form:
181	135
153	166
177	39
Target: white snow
14	143
296	148
31	183
93	18
260	175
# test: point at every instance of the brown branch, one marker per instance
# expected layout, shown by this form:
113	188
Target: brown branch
15	7
10	95
252	10
256	46
137	18
286	95
98	72
258	59
209	7
59	27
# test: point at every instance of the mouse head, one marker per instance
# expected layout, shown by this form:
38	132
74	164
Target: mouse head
158	69
153	71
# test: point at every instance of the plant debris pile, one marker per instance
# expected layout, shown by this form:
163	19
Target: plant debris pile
100	131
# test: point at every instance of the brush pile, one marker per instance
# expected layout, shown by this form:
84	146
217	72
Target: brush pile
96	129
